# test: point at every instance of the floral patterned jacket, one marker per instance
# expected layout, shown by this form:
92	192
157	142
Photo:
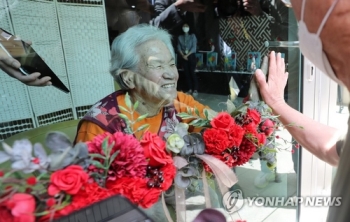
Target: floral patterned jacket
105	114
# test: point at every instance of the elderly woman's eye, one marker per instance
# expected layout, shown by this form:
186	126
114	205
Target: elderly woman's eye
172	65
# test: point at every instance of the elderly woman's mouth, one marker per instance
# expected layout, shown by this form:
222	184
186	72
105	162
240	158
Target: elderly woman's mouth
166	86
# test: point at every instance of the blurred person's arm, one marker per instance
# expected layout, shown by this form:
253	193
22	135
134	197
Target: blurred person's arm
11	67
252	6
318	138
168	14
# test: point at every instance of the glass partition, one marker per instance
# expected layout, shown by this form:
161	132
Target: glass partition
74	38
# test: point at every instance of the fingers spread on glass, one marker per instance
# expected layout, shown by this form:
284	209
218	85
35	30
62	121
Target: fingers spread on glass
272	89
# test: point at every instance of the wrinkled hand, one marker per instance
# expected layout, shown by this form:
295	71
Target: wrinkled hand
185	57
11	66
190	6
272	91
251	6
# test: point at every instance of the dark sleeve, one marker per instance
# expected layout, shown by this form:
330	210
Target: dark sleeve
167	16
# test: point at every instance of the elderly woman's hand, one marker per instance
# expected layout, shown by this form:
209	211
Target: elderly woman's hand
272	91
11	67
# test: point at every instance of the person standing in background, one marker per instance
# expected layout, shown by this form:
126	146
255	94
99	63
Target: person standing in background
187	46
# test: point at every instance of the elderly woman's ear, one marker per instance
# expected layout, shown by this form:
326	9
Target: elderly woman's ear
126	78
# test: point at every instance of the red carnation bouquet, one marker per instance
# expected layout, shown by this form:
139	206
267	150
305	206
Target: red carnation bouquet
233	136
36	185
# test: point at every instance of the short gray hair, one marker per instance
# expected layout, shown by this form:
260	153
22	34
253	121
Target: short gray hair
123	52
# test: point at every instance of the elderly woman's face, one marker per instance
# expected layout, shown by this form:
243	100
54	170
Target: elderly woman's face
158	66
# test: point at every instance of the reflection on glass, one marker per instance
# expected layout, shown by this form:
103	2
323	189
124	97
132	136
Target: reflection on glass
230	46
282	44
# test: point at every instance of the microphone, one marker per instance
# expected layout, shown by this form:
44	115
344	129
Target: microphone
286	44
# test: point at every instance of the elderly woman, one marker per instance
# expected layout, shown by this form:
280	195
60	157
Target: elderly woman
143	63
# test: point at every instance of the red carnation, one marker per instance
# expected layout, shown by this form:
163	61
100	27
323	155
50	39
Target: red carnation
130	161
251	128
235	135
91	194
137	191
95	146
244	153
169	172
216	141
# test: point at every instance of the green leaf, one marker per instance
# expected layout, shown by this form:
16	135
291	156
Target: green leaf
105	146
98	164
184	116
43	213
196	111
230	106
96	155
142	127
113	157
136	105
43	175
111	146
189	111
95	175
141	117
124	117
123	108
206	113
193	122
204	123
128	101
211	114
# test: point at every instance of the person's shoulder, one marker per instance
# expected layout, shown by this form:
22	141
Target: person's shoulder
181	96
